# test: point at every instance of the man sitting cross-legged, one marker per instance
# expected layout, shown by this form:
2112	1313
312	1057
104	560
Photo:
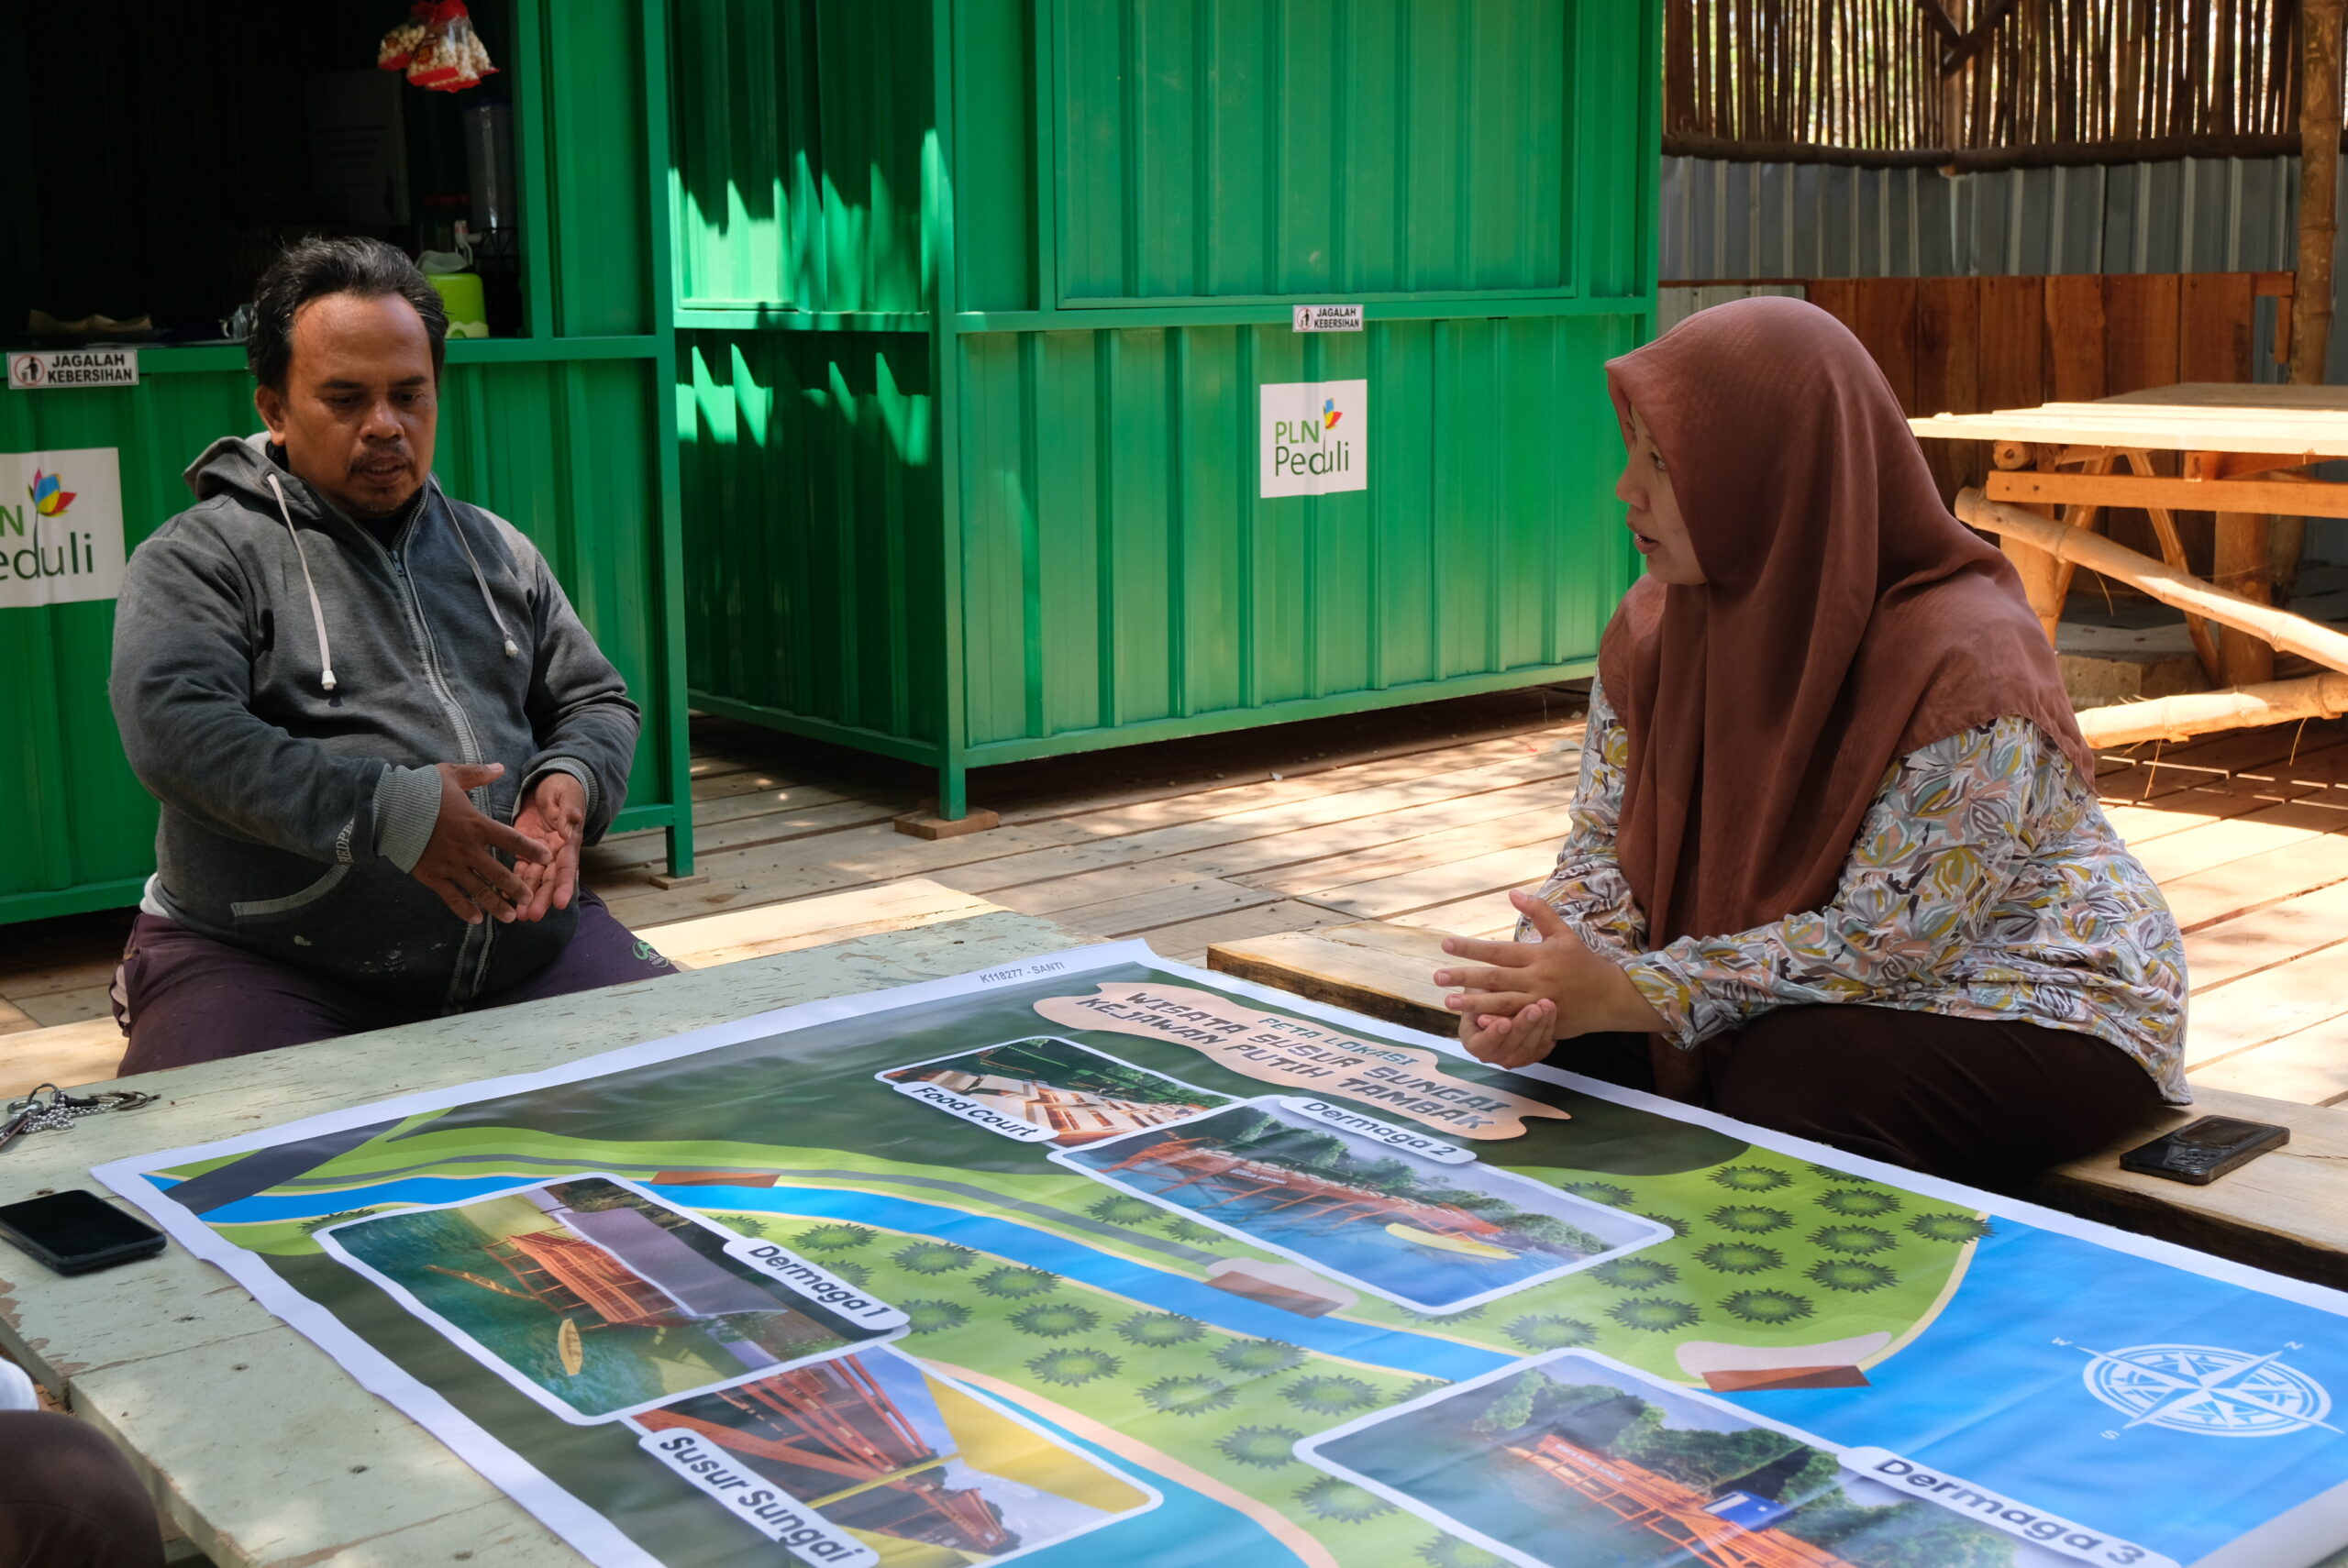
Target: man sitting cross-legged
379	733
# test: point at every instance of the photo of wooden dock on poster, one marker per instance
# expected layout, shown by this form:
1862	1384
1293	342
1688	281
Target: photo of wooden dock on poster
1347	1193
870	1458
598	1299
1050	1090
1573	1459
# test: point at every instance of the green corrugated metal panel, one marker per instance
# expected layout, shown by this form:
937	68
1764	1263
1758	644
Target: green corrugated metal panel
1617	136
994	157
1479	174
1121	567
563	450
1240	147
811	495
600	192
799	147
90	821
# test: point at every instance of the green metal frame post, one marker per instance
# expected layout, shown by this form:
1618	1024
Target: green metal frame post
946	376
676	743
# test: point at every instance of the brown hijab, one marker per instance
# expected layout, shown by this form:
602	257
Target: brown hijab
1847	619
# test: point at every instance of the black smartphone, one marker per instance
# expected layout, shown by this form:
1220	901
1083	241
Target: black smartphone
76	1231
2202	1151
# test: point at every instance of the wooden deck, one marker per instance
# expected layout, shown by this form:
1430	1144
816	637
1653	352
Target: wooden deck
1423	816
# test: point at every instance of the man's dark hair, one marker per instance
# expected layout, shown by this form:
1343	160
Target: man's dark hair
316	268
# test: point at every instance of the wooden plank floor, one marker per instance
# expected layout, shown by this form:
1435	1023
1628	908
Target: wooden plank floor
1424	816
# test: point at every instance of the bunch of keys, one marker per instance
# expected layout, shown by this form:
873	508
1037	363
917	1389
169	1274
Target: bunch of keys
50	1108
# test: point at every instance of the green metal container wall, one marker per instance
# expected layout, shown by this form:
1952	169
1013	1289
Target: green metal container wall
592	198
800	142
88	840
1371	147
534	443
1121	568
1526	173
1112	217
811	496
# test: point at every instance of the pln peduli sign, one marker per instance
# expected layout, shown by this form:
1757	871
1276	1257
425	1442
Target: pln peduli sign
61	527
1315	438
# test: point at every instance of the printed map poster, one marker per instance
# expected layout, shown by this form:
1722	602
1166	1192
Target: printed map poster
1336	1325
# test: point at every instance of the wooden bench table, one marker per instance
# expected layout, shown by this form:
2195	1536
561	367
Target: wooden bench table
2241	452
256	1445
2286	1211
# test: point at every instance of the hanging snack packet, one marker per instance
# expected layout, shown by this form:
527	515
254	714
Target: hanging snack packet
451	56
400	44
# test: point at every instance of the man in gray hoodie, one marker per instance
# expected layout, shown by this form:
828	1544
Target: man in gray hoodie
379	733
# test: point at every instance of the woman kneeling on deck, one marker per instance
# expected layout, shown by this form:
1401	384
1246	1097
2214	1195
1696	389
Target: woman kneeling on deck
1835	843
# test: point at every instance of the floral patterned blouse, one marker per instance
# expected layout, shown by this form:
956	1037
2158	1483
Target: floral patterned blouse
1984	883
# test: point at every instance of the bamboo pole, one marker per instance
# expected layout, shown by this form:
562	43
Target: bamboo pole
2319	124
2202	712
2279	628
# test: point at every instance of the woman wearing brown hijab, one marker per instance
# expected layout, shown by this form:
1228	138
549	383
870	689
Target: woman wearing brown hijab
1835	847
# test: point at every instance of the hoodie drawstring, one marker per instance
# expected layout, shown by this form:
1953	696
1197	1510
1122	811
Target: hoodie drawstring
483	583
317	612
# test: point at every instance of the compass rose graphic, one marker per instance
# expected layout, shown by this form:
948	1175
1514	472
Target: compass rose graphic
2208	1390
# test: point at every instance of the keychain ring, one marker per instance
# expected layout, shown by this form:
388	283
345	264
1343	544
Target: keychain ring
33	1101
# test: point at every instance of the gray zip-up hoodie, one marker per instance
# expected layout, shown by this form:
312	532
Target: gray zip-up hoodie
283	683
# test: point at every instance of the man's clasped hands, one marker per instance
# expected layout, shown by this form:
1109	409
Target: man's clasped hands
460	862
1534	993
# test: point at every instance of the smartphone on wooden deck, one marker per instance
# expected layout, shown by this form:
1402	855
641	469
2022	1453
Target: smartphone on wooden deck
2203	1150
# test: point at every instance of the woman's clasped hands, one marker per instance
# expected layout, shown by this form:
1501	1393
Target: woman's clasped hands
1537	993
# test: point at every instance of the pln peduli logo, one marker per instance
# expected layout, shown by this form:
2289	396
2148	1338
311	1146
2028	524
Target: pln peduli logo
1315	438
60	537
49	496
